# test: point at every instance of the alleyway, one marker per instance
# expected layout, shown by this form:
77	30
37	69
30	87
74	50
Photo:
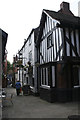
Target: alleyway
34	107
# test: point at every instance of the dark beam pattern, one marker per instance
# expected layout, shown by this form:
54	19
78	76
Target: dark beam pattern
71	46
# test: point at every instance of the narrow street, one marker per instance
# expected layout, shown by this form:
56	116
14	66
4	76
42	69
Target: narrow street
41	56
34	107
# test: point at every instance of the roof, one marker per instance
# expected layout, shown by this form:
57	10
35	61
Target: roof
63	16
35	37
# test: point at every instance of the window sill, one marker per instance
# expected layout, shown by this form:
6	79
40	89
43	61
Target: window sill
77	86
45	86
31	87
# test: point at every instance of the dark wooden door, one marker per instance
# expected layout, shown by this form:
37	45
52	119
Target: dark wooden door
76	75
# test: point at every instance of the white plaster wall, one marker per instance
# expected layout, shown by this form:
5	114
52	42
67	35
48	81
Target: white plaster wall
25	53
27	48
18	75
34	58
21	76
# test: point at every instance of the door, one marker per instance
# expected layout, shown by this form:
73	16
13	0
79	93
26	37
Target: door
76	75
76	83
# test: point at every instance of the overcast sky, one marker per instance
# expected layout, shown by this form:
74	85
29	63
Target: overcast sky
18	17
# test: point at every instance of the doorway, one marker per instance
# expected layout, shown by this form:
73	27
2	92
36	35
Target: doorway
76	75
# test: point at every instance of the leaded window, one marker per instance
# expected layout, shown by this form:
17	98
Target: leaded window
49	41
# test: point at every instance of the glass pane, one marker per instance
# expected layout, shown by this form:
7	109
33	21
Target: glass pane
53	76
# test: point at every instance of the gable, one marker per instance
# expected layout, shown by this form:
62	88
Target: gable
64	18
47	24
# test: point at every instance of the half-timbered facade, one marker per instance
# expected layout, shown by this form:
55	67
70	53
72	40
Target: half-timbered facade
59	54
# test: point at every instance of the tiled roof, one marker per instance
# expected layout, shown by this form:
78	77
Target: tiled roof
63	16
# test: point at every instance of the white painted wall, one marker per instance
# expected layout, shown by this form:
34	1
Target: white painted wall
26	50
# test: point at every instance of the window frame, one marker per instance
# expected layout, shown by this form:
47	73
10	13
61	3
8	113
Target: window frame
76	83
30	56
49	41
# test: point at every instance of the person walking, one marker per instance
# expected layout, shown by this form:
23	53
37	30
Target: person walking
18	86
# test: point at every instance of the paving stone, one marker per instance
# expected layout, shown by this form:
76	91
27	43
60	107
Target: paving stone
34	107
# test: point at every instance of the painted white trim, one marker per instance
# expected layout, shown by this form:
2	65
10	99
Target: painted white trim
77	86
53	76
45	86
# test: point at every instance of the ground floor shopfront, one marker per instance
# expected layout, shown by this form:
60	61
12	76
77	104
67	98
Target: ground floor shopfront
60	81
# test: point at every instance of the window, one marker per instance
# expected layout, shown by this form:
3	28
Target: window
49	41
49	80
76	75
30	41
30	56
27	80
53	76
45	77
48	76
33	82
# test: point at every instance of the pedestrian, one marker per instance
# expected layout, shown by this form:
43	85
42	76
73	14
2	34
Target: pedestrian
18	87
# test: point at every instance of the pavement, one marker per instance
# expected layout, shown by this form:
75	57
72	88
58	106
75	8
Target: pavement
34	107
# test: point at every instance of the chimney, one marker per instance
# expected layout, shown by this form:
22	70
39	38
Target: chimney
64	6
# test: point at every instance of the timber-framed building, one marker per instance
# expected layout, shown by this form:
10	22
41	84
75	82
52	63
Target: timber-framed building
59	55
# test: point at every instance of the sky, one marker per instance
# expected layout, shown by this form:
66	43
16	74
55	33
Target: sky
19	17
